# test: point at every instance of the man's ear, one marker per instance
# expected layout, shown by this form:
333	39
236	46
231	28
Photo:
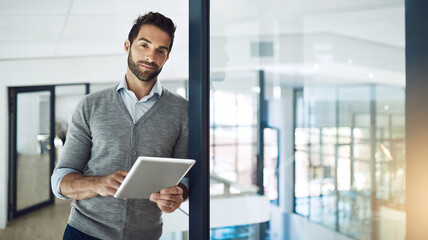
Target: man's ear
127	45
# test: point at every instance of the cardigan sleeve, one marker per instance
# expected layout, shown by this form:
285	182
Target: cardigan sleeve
181	147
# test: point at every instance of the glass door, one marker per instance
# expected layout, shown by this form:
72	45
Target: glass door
31	143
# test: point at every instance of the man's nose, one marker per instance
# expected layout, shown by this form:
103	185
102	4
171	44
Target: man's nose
150	56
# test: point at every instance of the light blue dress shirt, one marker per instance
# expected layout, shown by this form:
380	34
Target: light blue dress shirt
136	109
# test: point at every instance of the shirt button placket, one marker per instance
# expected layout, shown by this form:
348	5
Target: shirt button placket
134	141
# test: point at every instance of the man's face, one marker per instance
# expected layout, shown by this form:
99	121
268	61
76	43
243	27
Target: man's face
148	53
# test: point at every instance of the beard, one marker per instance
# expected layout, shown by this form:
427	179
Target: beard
144	76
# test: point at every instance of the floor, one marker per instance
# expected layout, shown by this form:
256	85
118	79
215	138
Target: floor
33	179
47	223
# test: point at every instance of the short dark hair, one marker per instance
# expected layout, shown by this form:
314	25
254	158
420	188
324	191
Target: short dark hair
156	19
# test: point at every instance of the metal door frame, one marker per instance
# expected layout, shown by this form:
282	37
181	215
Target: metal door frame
12	98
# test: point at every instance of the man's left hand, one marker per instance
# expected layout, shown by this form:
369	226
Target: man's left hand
168	199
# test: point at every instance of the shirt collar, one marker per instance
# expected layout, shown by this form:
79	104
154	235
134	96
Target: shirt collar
156	89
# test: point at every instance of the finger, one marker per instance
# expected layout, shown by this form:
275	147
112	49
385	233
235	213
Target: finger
111	191
172	190
122	173
169	204
118	177
171	197
154	197
113	183
165	209
108	191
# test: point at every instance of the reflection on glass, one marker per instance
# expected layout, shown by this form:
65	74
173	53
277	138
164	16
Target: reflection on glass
33	149
271	164
370	182
235	143
234	130
341	69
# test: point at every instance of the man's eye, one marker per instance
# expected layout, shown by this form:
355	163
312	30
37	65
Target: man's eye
161	52
144	45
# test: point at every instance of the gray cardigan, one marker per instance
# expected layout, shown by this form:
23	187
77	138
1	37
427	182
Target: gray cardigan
102	139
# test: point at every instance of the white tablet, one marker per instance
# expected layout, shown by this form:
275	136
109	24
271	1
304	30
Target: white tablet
151	174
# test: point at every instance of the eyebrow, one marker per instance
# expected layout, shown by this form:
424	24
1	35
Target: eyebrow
148	41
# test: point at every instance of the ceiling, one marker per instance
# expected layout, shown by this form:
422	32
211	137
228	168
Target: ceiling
56	29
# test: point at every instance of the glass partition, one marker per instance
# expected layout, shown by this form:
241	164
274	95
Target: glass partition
330	78
243	180
349	135
33	149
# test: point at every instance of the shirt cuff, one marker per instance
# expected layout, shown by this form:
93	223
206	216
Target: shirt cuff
185	182
56	178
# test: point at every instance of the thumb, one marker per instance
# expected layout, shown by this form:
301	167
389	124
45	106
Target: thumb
153	197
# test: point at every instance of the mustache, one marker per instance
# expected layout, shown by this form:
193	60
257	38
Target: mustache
152	64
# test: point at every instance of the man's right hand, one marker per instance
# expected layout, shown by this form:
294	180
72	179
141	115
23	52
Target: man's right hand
78	186
108	185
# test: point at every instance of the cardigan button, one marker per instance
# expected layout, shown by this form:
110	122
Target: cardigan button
134	153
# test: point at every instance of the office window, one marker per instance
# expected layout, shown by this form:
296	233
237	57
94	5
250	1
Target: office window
234	136
350	133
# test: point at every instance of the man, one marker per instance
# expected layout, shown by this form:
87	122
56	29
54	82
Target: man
110	129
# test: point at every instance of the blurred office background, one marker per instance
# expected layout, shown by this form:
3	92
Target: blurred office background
307	124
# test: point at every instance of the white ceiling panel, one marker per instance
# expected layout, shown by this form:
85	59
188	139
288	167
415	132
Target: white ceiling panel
39	7
109	27
30	27
129	7
97	27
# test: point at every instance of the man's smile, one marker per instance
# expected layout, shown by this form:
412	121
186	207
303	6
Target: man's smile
147	67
